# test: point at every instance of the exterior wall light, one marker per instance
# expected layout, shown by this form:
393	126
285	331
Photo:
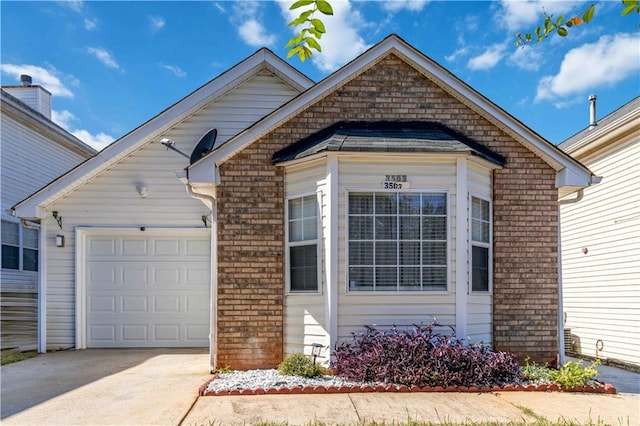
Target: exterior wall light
316	348
59	240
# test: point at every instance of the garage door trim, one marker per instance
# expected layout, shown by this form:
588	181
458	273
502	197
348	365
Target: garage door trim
82	235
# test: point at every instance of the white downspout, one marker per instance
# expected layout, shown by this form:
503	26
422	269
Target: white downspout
213	303
42	288
561	354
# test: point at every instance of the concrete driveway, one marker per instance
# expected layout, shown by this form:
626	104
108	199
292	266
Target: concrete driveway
103	387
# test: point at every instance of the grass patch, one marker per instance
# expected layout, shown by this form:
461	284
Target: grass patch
9	356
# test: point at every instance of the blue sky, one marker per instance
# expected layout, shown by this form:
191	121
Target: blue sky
111	66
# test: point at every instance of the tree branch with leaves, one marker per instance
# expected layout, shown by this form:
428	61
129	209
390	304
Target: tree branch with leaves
561	27
313	28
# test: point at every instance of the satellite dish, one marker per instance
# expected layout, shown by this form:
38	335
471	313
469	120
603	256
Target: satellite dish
204	146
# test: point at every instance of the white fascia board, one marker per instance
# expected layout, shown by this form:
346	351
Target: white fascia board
153	129
451	84
601	136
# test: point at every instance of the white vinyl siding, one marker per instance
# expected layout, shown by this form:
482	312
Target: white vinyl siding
600	252
304	313
111	199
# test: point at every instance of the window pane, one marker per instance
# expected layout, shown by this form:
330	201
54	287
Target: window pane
410	253
361	228
361	253
386	253
304	267
10	257
360	203
434	278
310	228
480	269
295	209
386	204
386	227
480	231
479	209
309	208
10	233
30	238
410	279
295	230
434	228
434	204
410	227
409	204
387	278
30	260
434	254
361	279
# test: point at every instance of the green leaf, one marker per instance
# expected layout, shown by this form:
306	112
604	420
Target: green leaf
324	7
318	25
301	3
293	51
559	20
588	15
307	51
569	23
301	55
315	32
529	37
628	10
539	32
562	31
313	43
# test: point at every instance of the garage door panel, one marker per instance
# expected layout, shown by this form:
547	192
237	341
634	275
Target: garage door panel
148	292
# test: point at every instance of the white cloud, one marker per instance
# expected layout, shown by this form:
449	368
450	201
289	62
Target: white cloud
98	142
459	53
398	5
156	23
220	8
75	5
64	119
520	16
342	42
45	78
487	59
103	56
90	24
526	59
254	34
175	70
604	63
248	18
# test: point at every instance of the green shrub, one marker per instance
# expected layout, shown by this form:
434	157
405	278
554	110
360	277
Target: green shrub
300	365
532	372
574	374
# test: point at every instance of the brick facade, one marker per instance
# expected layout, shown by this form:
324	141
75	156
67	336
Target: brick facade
251	220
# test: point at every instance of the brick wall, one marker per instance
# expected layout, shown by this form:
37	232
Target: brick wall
251	220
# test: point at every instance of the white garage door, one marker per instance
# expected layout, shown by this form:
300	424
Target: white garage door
148	290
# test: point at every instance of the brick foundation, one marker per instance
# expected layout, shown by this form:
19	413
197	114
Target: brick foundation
251	220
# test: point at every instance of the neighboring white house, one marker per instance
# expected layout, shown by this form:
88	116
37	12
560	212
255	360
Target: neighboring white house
387	193
34	151
601	242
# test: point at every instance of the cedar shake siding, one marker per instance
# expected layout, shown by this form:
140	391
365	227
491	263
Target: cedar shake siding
251	246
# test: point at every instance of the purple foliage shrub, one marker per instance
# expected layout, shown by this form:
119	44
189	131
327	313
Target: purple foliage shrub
421	356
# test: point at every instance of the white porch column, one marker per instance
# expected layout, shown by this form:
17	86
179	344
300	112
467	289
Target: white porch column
462	248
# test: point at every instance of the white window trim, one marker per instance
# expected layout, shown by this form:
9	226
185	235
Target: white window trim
422	293
473	243
21	246
287	263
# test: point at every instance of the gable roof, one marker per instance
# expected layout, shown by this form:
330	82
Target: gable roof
612	127
570	173
386	136
152	129
22	112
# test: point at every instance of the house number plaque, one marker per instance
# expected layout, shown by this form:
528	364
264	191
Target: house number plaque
395	182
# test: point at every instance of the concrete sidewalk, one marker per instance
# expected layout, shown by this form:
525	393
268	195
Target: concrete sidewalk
504	407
